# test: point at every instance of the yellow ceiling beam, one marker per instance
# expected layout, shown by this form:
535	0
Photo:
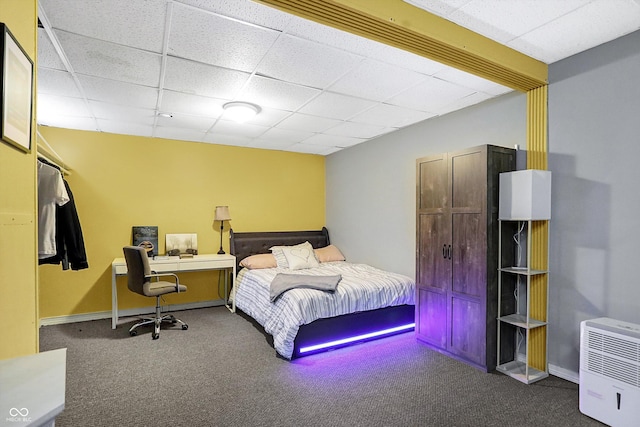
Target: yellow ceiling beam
401	25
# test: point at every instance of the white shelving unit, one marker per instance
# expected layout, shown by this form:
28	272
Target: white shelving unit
525	198
518	367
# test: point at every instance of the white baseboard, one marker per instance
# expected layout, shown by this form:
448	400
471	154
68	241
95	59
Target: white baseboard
73	318
557	371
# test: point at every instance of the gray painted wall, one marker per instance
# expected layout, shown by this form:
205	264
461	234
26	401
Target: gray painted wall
371	187
594	147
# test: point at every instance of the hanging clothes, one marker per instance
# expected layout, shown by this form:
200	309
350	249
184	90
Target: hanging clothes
69	242
51	193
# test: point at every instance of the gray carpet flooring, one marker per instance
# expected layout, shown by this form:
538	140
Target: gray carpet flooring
224	371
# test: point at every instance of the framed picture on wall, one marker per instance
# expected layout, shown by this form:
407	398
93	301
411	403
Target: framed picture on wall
16	92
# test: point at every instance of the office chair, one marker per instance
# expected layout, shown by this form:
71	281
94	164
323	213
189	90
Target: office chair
139	277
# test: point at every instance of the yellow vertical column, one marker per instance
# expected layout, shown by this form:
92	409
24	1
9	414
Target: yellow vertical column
537	159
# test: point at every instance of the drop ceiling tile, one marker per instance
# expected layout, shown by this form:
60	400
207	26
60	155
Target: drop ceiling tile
179	102
269	144
371	80
118	92
503	21
51	105
430	95
109	60
311	149
461	103
285	135
212	39
358	130
235	140
471	81
47	55
439	7
180	134
57	82
591	25
204	80
305	122
391	116
336	106
333	140
196	123
227	127
276	94
269	117
305	62
125	128
70	122
122	113
247	11
137	23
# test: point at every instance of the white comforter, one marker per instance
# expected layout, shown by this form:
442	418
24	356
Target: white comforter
362	288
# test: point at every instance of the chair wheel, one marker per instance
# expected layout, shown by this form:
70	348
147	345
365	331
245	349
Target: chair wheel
185	327
155	336
133	333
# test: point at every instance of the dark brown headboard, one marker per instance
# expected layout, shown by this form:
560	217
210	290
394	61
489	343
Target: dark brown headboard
252	243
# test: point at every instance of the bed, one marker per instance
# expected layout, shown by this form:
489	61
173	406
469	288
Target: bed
367	303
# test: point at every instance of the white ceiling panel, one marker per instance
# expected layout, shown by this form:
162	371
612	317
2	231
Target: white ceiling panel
109	60
391	116
307	122
336	106
55	82
306	63
180	102
116	65
276	93
135	23
215	40
200	79
370	80
125	128
118	92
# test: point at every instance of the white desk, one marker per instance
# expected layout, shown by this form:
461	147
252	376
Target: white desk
33	388
174	265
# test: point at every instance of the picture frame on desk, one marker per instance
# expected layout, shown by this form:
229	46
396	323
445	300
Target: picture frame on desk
147	237
183	244
16	92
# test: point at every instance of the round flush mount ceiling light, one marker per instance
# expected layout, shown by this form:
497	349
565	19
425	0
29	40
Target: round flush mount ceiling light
240	111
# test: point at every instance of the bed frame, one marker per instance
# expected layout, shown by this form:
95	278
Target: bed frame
328	333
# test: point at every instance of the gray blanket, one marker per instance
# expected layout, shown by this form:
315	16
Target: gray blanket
283	282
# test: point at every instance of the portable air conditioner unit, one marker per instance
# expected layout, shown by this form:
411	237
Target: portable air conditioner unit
610	371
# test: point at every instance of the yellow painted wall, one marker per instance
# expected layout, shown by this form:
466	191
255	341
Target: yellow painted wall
121	181
18	266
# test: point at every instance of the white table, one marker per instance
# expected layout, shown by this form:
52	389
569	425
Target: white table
33	388
174	265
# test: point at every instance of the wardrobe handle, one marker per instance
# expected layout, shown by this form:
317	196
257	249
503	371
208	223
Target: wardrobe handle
449	251
444	251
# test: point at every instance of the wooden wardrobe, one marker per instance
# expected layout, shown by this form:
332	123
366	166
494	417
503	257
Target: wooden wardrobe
457	250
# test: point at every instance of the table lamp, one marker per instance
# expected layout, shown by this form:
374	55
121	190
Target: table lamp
222	215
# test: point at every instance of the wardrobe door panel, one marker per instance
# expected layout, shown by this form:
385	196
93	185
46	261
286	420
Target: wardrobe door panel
468	330
434	266
468	254
433	192
468	178
432	317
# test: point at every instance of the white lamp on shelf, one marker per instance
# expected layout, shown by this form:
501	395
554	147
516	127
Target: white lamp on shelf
525	195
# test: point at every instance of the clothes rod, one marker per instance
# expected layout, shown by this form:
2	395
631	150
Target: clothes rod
49	154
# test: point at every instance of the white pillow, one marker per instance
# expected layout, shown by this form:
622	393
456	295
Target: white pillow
300	256
281	260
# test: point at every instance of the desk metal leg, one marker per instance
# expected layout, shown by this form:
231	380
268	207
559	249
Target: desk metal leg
114	301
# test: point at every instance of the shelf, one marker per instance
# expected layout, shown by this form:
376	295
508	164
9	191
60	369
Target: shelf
518	370
523	271
521	321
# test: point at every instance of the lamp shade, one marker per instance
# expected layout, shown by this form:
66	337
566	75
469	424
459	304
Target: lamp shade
222	214
525	195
